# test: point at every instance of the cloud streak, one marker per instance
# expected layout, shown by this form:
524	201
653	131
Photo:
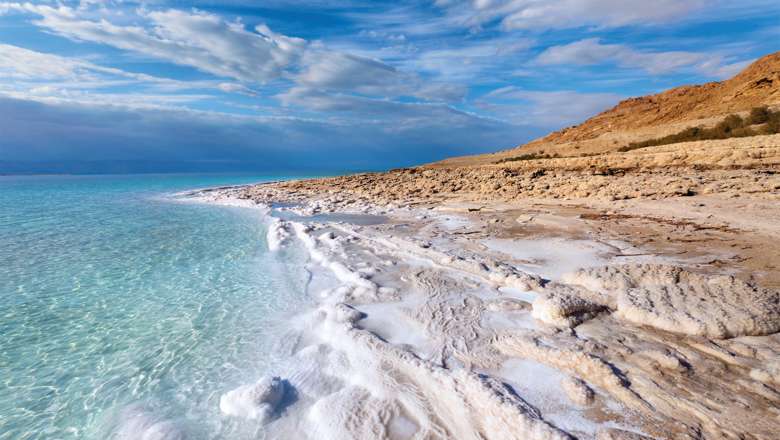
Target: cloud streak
539	15
198	39
591	51
546	109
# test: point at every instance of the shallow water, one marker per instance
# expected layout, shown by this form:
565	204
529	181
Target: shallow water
122	308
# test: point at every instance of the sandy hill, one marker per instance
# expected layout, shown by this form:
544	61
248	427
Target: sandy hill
648	117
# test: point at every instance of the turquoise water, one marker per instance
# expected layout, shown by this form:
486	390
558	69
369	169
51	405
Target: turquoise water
121	307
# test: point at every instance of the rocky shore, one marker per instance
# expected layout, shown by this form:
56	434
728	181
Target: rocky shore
614	305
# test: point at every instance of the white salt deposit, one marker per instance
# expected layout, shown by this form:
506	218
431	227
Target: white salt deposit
673	299
277	234
258	401
543	388
551	257
375	361
362	285
564	306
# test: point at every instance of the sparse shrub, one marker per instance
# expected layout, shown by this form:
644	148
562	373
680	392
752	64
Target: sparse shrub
742	132
773	123
759	115
730	123
528	156
730	126
631	146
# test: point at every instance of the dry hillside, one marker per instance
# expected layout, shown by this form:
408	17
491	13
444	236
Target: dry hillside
653	116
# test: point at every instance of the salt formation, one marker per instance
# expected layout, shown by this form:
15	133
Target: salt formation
258	401
578	391
359	285
460	326
277	234
768	374
619	434
493	270
576	362
389	386
564	306
346	314
665	297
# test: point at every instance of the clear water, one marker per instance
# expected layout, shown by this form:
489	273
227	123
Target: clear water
119	306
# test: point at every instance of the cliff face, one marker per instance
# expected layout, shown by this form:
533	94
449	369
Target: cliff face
654	115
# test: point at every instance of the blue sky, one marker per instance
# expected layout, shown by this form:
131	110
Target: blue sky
315	84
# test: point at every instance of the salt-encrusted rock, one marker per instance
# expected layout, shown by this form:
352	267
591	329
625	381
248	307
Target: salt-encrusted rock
346	313
258	401
673	299
578	391
768	374
575	362
654	359
563	306
277	234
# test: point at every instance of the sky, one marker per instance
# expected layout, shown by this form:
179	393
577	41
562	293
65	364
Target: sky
316	85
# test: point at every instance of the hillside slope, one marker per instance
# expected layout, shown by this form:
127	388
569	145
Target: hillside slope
637	119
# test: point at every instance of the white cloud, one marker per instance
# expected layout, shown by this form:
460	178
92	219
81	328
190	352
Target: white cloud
468	61
341	71
551	109
236	88
211	44
19	63
198	39
23	64
561	14
346	73
371	108
591	52
27	73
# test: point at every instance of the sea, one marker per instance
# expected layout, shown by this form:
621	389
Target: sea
127	309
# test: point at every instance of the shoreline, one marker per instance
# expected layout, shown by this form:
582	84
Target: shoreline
447	295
